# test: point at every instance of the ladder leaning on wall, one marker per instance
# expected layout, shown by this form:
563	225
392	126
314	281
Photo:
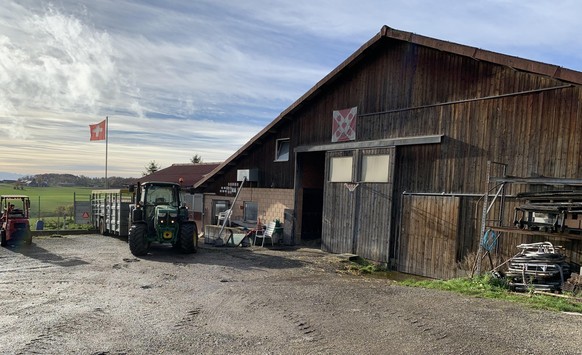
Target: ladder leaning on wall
225	221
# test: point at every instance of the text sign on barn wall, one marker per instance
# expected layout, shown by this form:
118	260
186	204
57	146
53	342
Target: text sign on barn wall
344	125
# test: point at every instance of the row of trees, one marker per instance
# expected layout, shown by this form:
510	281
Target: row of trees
85	181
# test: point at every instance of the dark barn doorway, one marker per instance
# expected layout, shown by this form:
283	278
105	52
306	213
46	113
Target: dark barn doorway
312	173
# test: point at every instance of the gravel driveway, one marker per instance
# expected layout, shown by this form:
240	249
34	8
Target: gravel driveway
87	294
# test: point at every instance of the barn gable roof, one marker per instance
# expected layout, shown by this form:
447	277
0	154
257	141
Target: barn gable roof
534	67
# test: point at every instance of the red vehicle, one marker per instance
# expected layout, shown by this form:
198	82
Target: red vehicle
14	224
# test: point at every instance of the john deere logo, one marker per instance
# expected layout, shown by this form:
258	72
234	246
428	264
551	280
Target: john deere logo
167	235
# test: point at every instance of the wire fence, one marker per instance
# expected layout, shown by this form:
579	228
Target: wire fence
47	213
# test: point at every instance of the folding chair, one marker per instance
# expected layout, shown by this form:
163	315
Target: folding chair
267	233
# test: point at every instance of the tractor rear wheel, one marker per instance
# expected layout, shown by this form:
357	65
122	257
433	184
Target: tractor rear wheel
187	235
138	244
28	237
3	238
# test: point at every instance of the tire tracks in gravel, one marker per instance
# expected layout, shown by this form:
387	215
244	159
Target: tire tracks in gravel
305	334
225	314
189	319
413	323
66	330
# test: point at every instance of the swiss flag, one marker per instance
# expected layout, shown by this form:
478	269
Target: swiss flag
98	131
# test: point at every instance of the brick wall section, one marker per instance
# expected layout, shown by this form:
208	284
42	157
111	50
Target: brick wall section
271	203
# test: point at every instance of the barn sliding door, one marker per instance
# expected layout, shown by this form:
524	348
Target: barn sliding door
358	202
338	203
374	206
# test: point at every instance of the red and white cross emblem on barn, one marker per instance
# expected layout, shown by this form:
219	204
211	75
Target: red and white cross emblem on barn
344	125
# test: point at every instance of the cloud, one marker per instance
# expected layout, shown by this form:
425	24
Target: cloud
56	63
15	127
182	77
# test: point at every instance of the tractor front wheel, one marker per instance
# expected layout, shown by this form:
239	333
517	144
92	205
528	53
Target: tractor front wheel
187	234
3	238
138	244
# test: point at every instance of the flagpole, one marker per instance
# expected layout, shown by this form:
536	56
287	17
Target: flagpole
106	147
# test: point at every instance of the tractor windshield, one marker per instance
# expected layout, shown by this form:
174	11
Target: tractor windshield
15	206
161	195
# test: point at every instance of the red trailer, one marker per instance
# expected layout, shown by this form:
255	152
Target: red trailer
14	223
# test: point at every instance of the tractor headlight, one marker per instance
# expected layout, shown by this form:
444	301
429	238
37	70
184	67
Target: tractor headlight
162	218
173	217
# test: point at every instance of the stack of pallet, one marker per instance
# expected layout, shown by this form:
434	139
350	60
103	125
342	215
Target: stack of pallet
538	266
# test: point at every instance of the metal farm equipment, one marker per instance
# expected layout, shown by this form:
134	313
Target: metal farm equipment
539	266
553	212
14	223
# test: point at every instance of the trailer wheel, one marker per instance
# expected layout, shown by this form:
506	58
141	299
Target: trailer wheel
187	233
102	230
138	244
3	238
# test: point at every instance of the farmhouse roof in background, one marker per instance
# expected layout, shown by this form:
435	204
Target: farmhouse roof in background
387	33
191	173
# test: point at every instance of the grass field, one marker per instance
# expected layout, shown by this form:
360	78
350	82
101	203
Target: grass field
46	200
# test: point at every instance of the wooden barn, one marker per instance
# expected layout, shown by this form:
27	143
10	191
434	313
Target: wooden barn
409	151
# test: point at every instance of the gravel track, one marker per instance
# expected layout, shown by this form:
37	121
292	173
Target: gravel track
87	294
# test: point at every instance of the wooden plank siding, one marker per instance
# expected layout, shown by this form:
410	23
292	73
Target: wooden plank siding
429	236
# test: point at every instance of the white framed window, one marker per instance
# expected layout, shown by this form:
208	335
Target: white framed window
282	153
340	169
375	168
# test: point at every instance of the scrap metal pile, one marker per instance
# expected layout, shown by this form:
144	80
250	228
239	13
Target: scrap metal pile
539	266
550	211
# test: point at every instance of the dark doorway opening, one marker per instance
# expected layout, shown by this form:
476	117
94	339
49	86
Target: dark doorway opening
312	214
312	172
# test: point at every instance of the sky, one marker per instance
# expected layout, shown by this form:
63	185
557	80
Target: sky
179	78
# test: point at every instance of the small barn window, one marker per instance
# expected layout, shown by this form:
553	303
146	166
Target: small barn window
340	169
375	168
251	211
282	153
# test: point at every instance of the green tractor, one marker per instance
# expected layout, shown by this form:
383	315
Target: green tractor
157	215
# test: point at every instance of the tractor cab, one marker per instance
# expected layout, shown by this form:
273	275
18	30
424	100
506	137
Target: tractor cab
14	220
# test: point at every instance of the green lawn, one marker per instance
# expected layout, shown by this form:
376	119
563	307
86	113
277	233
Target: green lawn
46	200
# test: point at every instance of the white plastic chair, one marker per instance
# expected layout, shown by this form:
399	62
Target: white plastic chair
224	216
266	234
